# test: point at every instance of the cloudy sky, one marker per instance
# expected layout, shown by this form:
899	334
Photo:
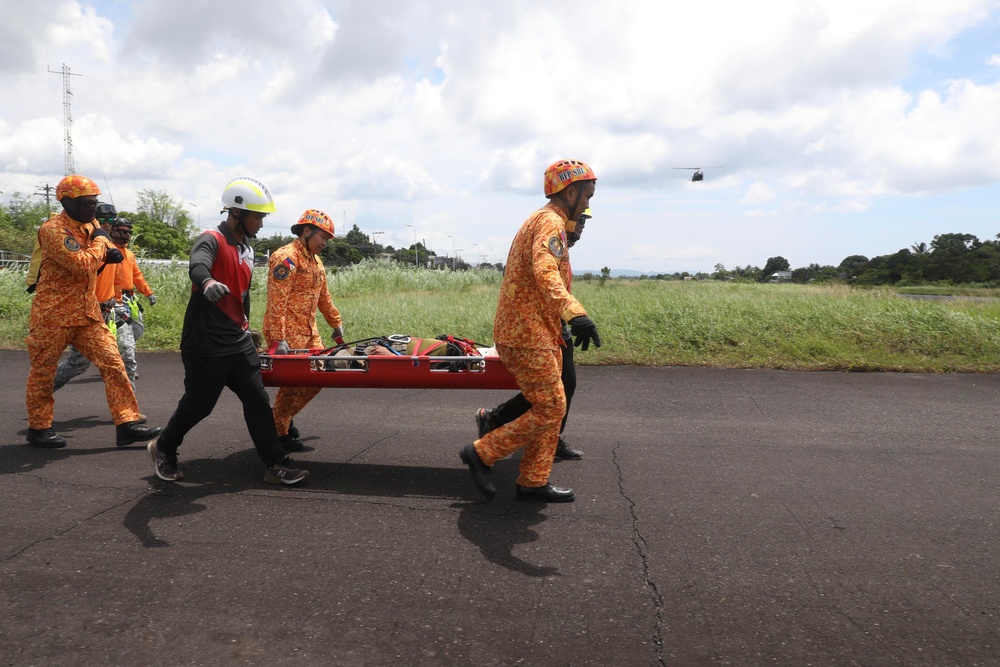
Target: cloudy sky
844	126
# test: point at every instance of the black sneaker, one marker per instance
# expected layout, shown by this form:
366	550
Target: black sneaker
165	467
564	451
45	438
293	430
484	421
133	432
284	473
290	443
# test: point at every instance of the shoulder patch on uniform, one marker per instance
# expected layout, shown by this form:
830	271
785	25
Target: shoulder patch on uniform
557	246
71	243
280	272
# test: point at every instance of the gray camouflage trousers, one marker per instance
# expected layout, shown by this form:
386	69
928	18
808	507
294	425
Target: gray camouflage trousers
76	363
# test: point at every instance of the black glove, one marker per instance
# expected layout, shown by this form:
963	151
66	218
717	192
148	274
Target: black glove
585	331
99	232
114	256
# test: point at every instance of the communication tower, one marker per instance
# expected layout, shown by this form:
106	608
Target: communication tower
67	116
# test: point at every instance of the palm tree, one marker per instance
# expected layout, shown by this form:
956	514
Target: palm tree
919	248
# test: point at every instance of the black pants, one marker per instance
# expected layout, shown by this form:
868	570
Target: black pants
204	380
517	406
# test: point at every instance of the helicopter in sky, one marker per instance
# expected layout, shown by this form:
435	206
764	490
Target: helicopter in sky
698	174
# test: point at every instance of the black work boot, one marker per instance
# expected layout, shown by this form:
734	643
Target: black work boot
133	432
46	438
480	471
564	451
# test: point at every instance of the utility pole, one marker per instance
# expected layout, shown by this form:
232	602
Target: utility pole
416	249
46	191
67	117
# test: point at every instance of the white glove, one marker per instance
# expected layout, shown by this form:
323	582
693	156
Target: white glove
214	290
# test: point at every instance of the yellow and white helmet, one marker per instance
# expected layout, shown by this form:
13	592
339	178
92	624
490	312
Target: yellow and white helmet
249	194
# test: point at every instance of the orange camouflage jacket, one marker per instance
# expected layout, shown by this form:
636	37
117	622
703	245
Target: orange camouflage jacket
534	298
296	288
66	290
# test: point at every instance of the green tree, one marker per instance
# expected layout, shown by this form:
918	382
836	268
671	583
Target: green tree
19	222
23	214
773	265
853	265
339	252
268	245
605	274
152	238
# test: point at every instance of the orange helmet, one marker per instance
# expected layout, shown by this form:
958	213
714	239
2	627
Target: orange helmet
317	219
565	172
74	186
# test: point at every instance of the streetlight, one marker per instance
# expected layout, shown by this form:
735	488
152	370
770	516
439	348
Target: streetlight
198	211
416	253
477	253
454	252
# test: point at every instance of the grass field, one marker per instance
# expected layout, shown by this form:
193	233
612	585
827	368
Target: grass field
659	323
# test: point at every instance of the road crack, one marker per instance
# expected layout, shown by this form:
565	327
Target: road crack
642	550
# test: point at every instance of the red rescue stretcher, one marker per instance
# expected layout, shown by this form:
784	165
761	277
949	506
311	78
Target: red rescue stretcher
318	368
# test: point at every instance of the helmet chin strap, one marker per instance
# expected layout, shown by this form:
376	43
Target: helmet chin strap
570	209
240	214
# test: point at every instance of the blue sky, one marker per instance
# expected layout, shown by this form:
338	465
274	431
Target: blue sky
846	127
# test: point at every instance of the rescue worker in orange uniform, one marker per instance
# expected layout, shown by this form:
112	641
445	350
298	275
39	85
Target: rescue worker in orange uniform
534	302
65	311
217	348
296	289
115	316
488	419
128	281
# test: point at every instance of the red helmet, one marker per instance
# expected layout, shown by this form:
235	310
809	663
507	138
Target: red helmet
74	186
565	172
317	219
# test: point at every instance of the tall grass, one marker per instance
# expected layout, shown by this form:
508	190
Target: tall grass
641	322
790	326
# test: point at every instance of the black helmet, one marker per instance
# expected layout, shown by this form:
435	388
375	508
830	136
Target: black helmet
121	222
105	211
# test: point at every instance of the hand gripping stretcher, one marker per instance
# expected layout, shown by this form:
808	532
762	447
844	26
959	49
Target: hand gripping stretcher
338	367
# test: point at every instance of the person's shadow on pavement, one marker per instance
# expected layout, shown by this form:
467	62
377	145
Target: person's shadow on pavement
20	457
242	471
496	533
498	526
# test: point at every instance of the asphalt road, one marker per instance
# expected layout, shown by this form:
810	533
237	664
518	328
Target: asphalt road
723	517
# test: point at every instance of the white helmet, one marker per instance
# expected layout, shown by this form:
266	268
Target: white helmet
248	194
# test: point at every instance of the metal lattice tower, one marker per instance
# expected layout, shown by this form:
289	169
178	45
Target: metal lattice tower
67	116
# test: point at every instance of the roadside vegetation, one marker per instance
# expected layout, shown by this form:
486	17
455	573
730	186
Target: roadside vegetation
740	324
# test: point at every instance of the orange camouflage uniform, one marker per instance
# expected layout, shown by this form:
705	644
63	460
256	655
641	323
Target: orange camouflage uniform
296	289
534	300
65	311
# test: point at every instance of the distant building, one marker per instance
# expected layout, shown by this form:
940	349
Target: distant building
781	276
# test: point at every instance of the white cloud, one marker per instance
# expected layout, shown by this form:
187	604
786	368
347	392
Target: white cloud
444	114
